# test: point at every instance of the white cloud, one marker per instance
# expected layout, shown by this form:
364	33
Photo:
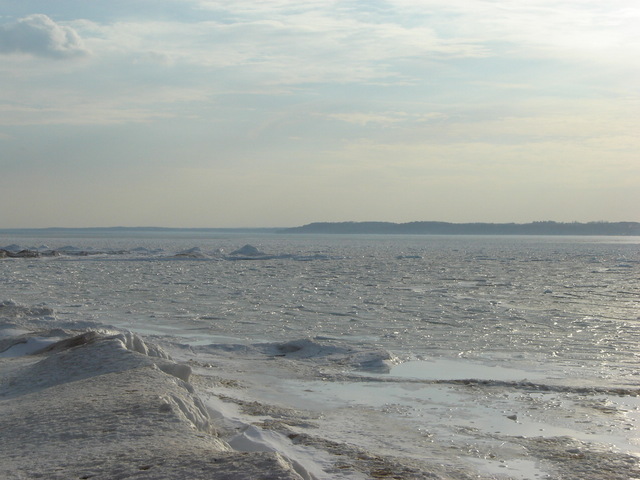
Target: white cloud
40	36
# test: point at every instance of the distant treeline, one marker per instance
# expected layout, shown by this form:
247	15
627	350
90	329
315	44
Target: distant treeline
445	228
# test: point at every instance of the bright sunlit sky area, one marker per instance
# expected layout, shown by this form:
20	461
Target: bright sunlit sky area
207	113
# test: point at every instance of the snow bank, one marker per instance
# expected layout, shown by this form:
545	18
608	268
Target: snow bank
326	350
103	406
319	351
12	310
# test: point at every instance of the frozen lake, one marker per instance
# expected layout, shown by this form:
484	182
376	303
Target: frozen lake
366	356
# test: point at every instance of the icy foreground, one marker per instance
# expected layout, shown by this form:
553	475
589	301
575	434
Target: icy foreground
107	406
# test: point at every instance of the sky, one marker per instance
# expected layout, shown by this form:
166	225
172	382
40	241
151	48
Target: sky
275	113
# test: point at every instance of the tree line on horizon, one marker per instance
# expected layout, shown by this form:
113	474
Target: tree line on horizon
445	228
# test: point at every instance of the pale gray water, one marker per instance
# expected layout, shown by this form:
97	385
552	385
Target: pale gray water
547	330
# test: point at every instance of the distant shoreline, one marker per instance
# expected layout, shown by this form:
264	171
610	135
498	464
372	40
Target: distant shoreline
371	228
445	228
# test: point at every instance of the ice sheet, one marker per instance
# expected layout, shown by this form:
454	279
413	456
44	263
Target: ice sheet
518	356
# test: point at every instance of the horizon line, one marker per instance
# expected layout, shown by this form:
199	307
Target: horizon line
156	227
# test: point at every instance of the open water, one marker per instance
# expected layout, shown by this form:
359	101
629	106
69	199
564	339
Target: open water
377	356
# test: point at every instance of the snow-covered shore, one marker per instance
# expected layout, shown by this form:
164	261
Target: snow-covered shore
105	405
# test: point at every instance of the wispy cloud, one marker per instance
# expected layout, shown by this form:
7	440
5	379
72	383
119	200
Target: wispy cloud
409	97
68	107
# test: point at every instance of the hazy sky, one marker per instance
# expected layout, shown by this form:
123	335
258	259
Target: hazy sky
211	113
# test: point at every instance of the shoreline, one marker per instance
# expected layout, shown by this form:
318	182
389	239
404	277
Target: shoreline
438	228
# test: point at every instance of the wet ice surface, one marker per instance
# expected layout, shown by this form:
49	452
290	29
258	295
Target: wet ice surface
456	423
501	357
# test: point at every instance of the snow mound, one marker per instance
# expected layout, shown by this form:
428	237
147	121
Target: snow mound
12	310
318	351
101	405
248	251
326	351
